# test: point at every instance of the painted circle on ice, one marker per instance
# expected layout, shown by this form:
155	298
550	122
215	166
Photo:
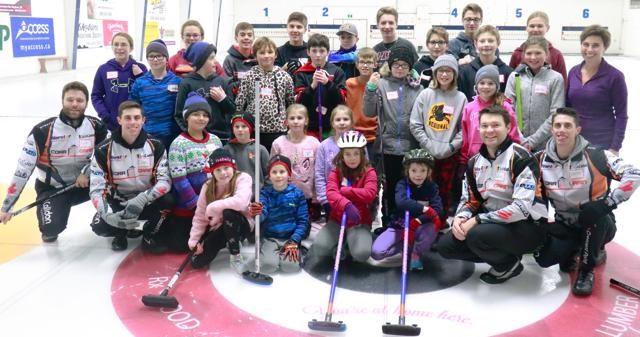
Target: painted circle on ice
21	234
217	301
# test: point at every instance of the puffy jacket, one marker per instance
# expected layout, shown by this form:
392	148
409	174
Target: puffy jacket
361	193
284	214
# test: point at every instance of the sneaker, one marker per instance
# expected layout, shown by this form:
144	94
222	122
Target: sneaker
153	246
496	277
49	238
119	243
584	283
238	263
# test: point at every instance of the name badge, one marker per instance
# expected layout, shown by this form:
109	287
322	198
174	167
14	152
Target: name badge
242	74
447	109
540	89
266	91
501	77
425	77
391	95
112	74
172	88
307	153
303	60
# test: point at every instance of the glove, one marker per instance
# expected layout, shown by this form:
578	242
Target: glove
255	208
293	65
353	215
327	209
290	251
435	218
133	207
591	211
413	227
116	220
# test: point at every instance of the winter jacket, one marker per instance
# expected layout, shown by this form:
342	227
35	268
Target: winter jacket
188	158
425	195
423	67
221	112
179	66
503	189
435	121
554	58
59	150
582	177
392	102
285	214
244	155
333	93
158	98
287	52
542	94
361	193
355	100
276	94
384	49
346	60
211	214
303	160
471	141
601	104
467	76
111	86
236	66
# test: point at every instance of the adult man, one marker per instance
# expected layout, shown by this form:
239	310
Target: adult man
130	181
60	148
576	178
387	20
502	211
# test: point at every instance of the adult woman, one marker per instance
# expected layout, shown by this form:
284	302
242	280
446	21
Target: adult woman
598	91
191	32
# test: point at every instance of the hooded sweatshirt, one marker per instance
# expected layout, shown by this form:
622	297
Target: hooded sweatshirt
287	52
112	86
467	76
555	60
462	46
236	67
244	155
423	67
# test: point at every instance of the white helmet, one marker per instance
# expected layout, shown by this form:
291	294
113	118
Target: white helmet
352	138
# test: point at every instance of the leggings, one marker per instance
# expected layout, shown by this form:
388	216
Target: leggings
235	228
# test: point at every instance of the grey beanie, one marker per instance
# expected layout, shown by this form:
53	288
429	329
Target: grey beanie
446	60
490	72
157	46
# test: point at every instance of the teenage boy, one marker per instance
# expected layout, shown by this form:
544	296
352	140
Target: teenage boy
368	126
345	56
130	181
191	33
387	20
576	178
59	149
240	57
319	86
437	42
207	84
462	46
293	54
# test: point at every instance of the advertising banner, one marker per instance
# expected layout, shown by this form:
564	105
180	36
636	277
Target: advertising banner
111	28
32	36
22	7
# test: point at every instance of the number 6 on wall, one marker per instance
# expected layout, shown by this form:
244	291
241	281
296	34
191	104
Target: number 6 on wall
585	13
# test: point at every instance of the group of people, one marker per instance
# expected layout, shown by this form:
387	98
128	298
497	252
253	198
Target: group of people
449	134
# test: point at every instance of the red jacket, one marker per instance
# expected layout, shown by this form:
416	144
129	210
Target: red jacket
361	193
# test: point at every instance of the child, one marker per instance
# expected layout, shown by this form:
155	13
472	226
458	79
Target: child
316	75
239	56
487	41
487	84
368	126
191	32
301	149
345	57
113	80
205	82
541	92
242	147
156	90
538	25
437	42
435	123
387	23
188	157
276	92
293	54
222	213
391	99
284	219
351	189
424	206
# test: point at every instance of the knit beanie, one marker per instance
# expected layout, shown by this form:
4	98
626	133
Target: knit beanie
400	54
157	46
198	53
221	157
446	60
279	160
193	103
489	72
246	118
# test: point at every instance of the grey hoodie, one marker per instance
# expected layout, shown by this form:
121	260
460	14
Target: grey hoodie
542	94
436	121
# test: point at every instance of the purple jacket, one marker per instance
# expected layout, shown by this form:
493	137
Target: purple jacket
601	104
111	86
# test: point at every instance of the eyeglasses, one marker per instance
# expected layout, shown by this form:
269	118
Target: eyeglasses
472	20
367	63
444	71
397	66
438	43
155	57
195	36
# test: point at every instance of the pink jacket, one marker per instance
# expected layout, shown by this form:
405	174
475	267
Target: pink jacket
471	141
361	193
211	215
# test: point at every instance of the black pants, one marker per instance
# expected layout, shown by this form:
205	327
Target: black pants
393	171
153	213
53	213
564	242
235	228
266	139
499	245
175	233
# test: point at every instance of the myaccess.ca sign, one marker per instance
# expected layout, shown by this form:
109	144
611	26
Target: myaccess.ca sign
32	36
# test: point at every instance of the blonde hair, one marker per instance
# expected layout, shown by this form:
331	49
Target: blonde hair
340	108
539	14
487	29
211	187
296	107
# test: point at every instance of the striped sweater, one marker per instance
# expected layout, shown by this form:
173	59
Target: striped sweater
158	98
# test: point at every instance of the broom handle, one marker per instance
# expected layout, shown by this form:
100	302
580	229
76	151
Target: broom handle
258	171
